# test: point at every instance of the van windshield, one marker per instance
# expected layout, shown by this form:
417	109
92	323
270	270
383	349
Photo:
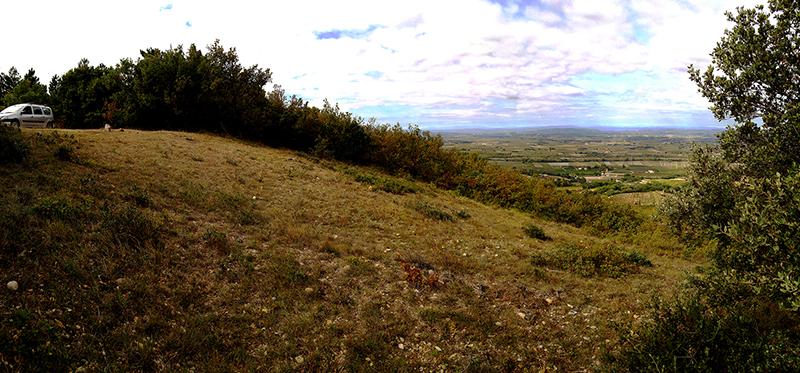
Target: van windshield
12	109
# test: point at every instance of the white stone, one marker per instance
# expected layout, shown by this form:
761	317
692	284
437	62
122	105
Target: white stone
13	285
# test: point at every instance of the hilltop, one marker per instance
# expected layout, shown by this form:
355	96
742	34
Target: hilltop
172	251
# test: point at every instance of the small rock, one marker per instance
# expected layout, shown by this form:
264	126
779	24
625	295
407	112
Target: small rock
548	300
521	315
309	290
13	285
400	346
299	359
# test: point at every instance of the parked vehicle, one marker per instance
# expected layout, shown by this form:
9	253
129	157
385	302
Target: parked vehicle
28	115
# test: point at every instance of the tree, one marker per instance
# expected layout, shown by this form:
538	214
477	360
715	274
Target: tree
9	81
26	89
239	95
742	202
744	194
80	95
755	76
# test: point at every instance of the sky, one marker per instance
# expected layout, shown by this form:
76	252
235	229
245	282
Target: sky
439	64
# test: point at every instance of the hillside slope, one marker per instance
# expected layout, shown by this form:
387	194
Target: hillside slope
166	251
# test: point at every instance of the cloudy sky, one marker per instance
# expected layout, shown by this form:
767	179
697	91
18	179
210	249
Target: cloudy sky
440	64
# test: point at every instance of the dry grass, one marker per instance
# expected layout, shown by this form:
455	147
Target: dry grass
270	260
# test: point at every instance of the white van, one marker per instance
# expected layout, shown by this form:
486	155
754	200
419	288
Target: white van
28	115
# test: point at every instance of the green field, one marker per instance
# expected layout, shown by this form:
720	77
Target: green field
652	154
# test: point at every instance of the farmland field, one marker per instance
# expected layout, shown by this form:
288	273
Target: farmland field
651	154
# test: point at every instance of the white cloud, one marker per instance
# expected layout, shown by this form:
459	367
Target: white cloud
446	58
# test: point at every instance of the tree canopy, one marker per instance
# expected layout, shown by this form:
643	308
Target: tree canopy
741	205
754	77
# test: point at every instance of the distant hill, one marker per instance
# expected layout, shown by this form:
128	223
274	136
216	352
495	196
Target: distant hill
704	136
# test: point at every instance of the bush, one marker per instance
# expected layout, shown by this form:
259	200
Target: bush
534	232
691	334
386	184
13	147
432	211
589	261
65	153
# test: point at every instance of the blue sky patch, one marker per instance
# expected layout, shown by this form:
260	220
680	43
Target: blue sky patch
374	74
351	33
166	7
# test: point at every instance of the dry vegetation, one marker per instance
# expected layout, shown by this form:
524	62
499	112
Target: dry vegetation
166	251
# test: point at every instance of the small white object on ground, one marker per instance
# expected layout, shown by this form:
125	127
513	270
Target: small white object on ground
13	285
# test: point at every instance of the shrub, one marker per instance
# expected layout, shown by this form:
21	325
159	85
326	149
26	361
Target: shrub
639	259
432	211
692	334
534	232
386	184
65	153
589	261
13	147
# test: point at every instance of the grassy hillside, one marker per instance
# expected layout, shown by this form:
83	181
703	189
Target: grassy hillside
167	251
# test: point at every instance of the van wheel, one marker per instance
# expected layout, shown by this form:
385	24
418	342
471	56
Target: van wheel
49	125
15	123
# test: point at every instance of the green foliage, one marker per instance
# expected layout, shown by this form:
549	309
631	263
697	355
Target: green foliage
386	184
80	96
65	153
9	81
743	195
692	334
129	229
27	89
752	75
742	200
610	188
13	147
639	259
534	231
59	207
591	260
762	246
412	152
432	211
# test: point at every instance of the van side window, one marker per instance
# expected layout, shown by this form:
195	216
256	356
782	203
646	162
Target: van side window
27	110
37	110
47	111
